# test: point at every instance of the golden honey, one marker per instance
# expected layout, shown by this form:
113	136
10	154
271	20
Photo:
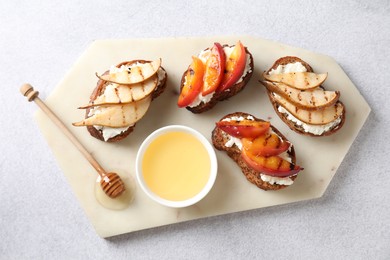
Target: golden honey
176	166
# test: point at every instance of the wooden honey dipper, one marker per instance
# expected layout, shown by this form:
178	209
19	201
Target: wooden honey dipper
111	183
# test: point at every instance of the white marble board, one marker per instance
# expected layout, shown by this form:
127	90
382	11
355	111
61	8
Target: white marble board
320	157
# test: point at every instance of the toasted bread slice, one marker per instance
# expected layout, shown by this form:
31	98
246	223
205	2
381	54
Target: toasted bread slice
220	139
223	95
101	84
300	126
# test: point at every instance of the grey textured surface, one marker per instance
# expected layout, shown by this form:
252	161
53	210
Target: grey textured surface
40	217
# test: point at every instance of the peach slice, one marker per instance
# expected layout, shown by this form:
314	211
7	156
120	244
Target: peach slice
268	144
235	66
244	128
215	68
272	165
193	83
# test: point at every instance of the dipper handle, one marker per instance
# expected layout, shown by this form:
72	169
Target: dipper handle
32	95
111	183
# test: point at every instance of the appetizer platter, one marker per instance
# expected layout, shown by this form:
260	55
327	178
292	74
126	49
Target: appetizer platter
165	96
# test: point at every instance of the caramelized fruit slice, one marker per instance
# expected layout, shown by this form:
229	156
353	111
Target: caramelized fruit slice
134	74
118	115
122	94
235	66
272	165
268	144
215	68
298	80
309	99
193	83
313	117
244	128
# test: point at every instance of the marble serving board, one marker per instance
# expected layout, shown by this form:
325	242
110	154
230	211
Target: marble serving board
320	157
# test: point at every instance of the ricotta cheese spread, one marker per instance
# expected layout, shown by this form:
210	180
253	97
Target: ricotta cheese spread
276	180
234	141
266	178
160	75
200	98
203	55
109	132
288	68
238	118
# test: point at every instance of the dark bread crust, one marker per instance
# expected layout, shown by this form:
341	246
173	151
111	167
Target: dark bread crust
219	138
217	97
100	87
293	126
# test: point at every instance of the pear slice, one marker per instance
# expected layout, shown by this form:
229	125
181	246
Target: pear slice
123	94
313	117
134	74
317	98
119	115
298	80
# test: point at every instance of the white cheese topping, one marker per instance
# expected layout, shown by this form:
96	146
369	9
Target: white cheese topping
276	180
290	67
234	141
200	98
238	118
160	75
266	178
203	55
109	132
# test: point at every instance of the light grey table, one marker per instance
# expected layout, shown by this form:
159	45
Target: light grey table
40	217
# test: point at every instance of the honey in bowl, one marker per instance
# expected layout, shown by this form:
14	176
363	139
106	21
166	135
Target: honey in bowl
176	166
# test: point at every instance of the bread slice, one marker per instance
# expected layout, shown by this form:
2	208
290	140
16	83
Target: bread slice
100	87
286	118
219	140
220	96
